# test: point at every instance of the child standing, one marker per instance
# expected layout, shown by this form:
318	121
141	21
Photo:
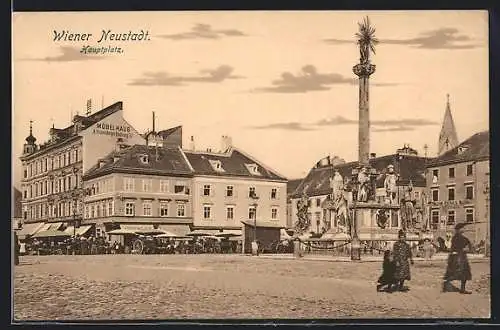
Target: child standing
388	268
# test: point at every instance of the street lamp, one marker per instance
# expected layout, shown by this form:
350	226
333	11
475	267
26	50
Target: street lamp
355	243
255	198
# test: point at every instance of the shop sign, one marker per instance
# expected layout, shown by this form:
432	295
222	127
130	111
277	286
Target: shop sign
104	128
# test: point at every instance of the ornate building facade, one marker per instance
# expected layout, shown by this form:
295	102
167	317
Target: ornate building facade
52	171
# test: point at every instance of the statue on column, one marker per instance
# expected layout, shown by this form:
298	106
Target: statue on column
390	184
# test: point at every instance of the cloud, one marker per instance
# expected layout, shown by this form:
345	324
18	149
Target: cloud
392	129
394	124
293	126
379	125
443	38
216	75
339	120
69	54
307	80
203	31
404	122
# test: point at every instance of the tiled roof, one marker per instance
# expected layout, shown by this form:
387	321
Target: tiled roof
165	133
232	162
170	161
317	181
292	185
65	134
476	147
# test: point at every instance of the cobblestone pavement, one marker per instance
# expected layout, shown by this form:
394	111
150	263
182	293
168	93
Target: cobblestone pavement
112	287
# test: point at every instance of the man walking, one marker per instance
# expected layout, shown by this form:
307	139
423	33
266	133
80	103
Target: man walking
458	265
402	258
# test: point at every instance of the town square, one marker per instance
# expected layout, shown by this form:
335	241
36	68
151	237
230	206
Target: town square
368	198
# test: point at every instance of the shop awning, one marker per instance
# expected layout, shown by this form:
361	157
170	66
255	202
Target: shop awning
179	230
51	233
29	229
141	229
82	230
263	224
51	226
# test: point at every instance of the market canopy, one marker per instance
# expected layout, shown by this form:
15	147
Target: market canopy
51	233
79	231
29	229
263	224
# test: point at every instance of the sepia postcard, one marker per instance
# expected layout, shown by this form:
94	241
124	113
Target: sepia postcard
219	165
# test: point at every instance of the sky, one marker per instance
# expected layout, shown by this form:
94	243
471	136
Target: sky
279	83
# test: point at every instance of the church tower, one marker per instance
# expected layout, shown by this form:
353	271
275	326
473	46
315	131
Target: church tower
448	137
30	145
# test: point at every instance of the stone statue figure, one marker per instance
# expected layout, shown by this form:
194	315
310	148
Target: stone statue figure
424	212
303	220
337	185
408	213
364	182
390	184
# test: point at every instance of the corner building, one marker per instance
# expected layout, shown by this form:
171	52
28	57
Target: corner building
52	171
458	186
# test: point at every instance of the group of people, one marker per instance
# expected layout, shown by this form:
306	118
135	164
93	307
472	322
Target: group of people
396	264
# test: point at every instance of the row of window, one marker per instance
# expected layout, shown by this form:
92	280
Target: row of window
147	186
101	187
450	220
47	187
208	190
97	210
451	173
147	209
44	210
469	193
66	158
230	209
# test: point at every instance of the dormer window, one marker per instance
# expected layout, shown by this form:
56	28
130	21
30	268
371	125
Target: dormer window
253	169
216	165
144	159
462	149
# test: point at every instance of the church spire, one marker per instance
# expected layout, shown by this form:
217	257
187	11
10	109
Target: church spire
448	138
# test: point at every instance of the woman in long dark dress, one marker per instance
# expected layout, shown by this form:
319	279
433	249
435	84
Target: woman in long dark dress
458	265
402	258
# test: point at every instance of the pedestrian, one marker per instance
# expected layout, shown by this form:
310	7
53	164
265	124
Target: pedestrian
387	277
16	249
402	259
458	265
428	249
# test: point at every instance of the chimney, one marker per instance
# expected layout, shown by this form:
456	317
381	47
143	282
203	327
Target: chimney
154	122
373	155
226	143
191	144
